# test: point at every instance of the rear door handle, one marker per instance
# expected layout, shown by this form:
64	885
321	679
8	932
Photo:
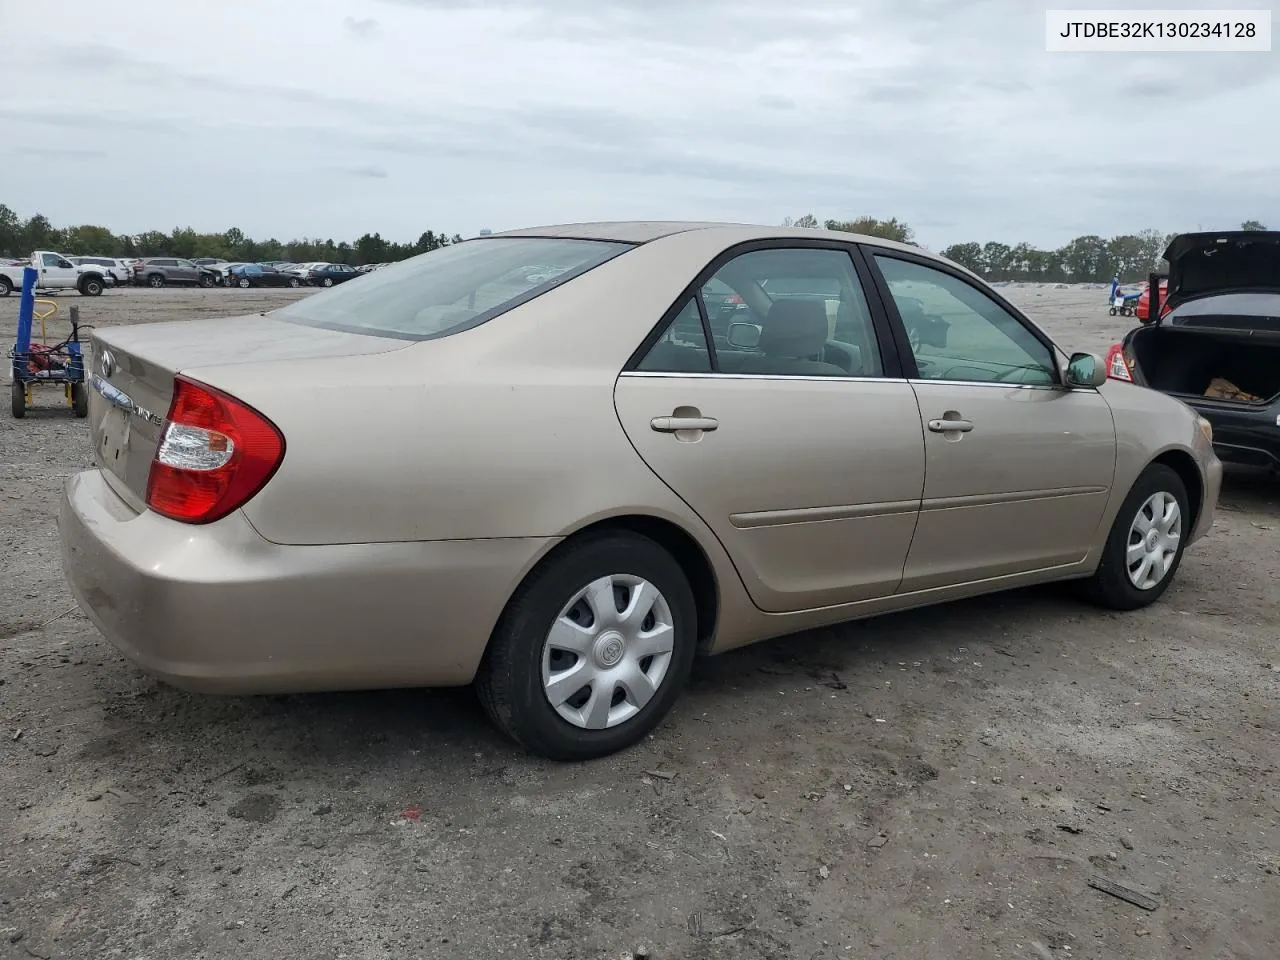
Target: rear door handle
949	426
674	424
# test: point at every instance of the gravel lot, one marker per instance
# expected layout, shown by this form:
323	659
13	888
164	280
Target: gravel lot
938	784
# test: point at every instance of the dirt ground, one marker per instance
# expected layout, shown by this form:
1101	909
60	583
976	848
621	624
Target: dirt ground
938	784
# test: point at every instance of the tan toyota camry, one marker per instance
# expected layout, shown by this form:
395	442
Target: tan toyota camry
563	462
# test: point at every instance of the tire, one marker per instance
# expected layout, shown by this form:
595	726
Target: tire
243	283
511	682
1112	585
6	287
328	281
91	287
79	400
155	281
206	281
1113	311
295	282
18	399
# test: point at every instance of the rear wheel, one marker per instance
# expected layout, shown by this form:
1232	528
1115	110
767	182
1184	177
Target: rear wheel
1145	546
91	287
18	399
155	280
328	281
6	287
295	282
244	283
593	649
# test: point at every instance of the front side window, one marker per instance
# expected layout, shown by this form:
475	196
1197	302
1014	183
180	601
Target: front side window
957	332
451	288
791	312
49	259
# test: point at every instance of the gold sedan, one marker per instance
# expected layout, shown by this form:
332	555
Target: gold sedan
562	462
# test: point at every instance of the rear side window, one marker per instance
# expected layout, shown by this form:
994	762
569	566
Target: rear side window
452	288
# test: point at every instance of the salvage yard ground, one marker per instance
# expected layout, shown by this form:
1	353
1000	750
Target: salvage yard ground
933	785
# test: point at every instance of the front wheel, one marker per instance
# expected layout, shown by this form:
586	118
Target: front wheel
243	283
328	281
6	287
593	649
91	287
1113	311
295	282
1146	542
206	281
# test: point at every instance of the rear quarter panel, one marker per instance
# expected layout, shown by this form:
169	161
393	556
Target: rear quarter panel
505	430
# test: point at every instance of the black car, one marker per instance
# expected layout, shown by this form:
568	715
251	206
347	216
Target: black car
1218	347
332	273
258	275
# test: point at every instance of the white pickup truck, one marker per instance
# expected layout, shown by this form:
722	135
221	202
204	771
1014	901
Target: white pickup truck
56	273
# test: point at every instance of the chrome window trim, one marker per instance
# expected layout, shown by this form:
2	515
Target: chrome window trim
756	376
681	375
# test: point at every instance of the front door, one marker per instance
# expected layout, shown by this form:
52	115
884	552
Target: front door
1018	469
57	273
784	435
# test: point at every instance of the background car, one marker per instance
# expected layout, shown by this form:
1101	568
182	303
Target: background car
167	271
116	270
564	490
331	273
1216	344
259	275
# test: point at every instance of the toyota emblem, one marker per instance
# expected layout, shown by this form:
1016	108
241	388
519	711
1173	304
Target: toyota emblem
107	363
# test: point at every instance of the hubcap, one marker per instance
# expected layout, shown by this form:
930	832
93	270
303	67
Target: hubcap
608	651
1154	538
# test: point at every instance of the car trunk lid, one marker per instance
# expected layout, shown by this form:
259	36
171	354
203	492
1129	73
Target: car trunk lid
132	370
1227	267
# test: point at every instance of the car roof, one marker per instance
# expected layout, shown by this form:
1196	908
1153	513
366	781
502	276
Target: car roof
646	231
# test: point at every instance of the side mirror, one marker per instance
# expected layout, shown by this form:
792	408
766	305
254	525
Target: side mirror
1086	370
745	335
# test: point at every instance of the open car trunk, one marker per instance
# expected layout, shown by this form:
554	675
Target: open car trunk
1231	366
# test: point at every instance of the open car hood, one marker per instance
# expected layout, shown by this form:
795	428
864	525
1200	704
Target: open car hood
1238	261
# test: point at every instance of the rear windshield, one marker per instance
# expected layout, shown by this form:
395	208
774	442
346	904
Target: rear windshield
450	289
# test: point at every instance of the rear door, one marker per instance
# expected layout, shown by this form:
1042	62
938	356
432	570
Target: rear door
1018	469
801	451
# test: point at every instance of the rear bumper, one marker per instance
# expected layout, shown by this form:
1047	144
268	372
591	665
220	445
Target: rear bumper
218	609
1250	436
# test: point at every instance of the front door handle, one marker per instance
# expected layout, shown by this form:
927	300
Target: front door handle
950	426
677	424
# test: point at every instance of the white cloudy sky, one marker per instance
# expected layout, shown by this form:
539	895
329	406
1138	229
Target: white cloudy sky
332	117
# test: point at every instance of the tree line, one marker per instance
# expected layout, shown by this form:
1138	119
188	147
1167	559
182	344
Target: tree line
1087	259
18	238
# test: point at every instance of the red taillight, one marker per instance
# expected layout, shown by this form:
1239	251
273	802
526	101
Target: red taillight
214	454
735	299
1118	364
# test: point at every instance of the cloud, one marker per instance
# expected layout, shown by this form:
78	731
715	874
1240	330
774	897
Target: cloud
56	153
365	28
494	113
368	172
